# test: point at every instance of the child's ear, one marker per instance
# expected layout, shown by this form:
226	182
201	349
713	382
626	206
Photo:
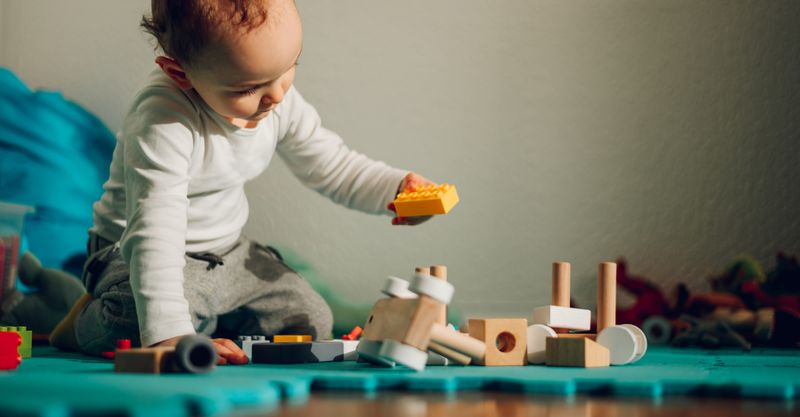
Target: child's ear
175	71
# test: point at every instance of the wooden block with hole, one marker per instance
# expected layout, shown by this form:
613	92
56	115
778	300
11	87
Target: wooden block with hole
405	320
506	340
579	352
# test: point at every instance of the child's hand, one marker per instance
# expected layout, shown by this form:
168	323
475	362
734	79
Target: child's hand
227	350
411	182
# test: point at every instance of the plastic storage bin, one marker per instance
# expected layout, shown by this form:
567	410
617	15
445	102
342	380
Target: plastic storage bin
11	219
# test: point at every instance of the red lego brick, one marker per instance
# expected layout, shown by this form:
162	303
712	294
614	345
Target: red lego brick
9	355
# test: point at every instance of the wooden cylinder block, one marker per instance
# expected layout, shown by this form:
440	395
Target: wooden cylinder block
560	287
606	295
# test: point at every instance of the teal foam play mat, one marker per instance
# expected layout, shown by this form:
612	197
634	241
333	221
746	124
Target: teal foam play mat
55	384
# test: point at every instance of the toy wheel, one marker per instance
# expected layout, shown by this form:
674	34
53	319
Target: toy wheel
626	343
404	354
435	288
398	288
195	354
641	341
369	351
537	342
657	330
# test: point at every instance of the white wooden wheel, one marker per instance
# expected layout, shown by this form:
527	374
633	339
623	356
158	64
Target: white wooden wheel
404	354
433	287
626	343
537	342
398	288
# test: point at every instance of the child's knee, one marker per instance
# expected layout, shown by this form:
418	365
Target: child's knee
106	319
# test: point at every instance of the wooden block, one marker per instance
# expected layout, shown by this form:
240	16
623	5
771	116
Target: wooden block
440	271
470	346
154	360
506	340
407	321
606	295
561	283
451	354
578	352
563	317
291	338
590	336
427	201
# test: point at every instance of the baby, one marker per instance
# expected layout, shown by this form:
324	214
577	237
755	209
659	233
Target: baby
166	253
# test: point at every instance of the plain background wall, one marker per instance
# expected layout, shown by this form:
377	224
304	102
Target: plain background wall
664	131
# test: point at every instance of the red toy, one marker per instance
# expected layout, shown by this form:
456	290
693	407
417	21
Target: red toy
9	354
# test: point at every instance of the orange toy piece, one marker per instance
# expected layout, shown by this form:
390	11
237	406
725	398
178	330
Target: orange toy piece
427	201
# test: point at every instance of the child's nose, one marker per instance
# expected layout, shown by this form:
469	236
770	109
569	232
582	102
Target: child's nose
274	94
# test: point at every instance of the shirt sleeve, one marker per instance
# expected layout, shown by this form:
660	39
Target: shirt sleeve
321	160
158	143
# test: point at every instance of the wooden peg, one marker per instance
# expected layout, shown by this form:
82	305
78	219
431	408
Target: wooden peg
606	296
560	288
440	271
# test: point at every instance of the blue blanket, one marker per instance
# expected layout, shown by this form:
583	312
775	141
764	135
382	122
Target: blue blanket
54	155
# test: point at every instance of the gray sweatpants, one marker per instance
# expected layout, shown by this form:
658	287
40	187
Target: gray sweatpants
247	290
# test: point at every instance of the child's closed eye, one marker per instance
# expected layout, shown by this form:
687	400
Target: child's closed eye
248	92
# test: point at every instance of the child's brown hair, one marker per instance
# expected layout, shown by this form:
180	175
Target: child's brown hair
183	28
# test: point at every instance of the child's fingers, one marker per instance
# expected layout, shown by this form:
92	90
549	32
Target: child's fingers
229	352
410	221
390	207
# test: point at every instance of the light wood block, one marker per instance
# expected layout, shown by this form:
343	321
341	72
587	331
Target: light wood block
458	341
506	340
451	354
606	295
440	271
590	336
561	284
578	352
407	321
563	317
152	360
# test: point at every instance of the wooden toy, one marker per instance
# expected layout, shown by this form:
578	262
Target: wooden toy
537	342
193	354
505	340
626	343
578	352
400	330
559	315
427	201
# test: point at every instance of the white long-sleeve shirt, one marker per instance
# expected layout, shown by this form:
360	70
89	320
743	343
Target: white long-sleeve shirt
177	181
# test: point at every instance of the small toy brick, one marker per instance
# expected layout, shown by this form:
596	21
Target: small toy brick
291	338
563	317
354	334
247	342
9	350
350	349
303	352
506	340
25	334
193	354
577	352
427	201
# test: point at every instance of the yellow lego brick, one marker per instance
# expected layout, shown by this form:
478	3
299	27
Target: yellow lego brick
430	200
291	338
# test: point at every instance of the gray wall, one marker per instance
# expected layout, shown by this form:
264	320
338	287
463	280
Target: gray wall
665	131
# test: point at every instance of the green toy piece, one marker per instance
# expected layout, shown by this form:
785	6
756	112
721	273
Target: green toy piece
26	335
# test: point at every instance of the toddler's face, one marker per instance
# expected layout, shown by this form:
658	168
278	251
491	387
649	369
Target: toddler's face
243	78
